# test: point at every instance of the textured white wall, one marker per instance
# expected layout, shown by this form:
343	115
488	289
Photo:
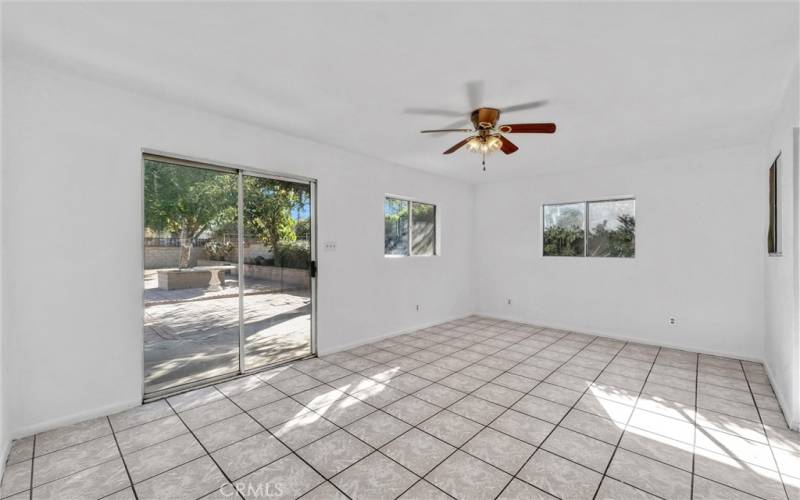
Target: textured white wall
782	340
699	254
74	314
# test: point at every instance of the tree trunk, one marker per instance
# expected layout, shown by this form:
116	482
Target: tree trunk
185	258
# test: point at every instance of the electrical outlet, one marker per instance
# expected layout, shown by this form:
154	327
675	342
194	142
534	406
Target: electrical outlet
330	246
672	322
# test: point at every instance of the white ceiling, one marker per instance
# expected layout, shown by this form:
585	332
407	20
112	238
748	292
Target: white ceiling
625	81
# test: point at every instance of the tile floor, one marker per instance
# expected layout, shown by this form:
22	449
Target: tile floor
474	408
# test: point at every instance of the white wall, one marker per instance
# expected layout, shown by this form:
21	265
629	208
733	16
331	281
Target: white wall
782	340
699	254
72	185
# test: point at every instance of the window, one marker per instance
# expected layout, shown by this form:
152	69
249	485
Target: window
772	234
409	227
612	228
564	229
605	228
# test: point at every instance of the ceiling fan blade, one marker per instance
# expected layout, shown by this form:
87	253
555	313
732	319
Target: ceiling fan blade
475	93
445	130
528	128
458	145
433	112
523	106
508	147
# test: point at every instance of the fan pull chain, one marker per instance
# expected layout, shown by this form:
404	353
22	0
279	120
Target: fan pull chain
483	161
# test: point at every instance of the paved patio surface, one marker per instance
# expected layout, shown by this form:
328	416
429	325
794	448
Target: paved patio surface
193	334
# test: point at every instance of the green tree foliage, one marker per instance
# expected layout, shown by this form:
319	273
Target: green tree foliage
617	242
268	206
564	236
186	201
395	219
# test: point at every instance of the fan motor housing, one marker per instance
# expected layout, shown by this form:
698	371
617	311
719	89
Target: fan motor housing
483	118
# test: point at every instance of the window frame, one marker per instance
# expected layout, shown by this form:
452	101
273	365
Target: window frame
411	202
586	204
774	210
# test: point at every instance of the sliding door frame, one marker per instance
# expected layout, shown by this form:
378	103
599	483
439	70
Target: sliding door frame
240	171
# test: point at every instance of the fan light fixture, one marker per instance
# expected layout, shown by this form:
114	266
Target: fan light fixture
485	144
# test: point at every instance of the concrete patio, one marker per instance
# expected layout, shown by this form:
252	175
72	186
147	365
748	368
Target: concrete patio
193	334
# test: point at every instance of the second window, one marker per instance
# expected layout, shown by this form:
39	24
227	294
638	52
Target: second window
604	228
409	227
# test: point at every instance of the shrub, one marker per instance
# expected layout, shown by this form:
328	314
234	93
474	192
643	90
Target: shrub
294	254
218	250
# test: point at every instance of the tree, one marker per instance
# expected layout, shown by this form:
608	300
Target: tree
187	201
268	205
617	242
564	235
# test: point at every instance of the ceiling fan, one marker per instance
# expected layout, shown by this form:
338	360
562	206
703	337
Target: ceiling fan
486	135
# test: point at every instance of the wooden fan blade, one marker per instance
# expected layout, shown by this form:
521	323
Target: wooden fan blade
528	128
445	130
508	147
457	146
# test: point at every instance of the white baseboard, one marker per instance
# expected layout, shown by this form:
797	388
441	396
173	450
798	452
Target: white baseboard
611	335
351	345
791	419
74	418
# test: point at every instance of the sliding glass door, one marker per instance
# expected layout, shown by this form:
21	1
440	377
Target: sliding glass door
228	272
277	275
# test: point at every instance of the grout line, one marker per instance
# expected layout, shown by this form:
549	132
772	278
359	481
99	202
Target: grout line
33	462
555	426
291	450
225	474
124	463
624	429
771	451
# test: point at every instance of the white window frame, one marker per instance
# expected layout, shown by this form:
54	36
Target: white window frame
411	201
585	204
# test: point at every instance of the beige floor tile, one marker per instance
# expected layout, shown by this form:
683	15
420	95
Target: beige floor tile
377	428
450	428
94	482
466	477
502	451
649	475
579	448
250	454
375	478
412	410
57	439
287	478
560	477
418	451
70	460
163	456
518	490
477	409
334	453
523	427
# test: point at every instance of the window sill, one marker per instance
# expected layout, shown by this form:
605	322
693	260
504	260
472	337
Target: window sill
396	257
